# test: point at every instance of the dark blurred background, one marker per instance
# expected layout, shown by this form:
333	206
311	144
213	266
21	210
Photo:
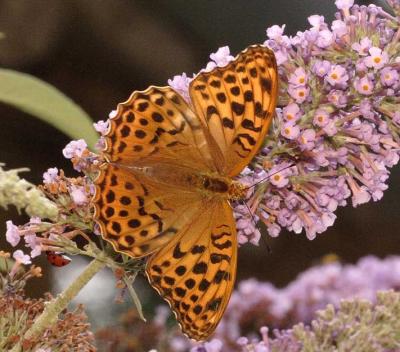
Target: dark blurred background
98	51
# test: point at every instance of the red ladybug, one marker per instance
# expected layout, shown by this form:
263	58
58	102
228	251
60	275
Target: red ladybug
57	258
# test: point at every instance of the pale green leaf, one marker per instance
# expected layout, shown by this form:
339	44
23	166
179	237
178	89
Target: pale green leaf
135	298
47	103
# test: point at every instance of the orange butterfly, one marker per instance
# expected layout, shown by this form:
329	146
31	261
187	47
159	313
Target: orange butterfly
166	187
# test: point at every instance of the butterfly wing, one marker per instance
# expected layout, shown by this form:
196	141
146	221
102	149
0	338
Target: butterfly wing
195	272
157	125
237	103
154	143
137	214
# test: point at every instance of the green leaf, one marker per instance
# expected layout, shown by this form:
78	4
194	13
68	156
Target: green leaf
47	103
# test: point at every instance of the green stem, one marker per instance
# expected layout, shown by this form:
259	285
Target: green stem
54	307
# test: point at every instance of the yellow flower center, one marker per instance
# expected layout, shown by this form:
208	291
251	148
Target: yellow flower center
302	80
320	118
287	131
365	87
289	117
301	93
334	76
377	59
277	177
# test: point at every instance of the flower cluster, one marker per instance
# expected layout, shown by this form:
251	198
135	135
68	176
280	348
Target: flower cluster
70	332
23	195
69	198
256	305
356	325
335	136
336	131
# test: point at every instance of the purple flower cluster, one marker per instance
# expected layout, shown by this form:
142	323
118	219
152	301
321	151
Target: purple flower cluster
339	98
28	233
336	131
255	304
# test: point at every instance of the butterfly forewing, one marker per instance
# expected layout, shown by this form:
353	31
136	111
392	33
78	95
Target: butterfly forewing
198	278
157	125
237	103
154	130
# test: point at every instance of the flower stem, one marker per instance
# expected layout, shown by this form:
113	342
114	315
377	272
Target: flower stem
58	304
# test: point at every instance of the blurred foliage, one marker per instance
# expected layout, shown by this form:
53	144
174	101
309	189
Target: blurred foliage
47	103
357	326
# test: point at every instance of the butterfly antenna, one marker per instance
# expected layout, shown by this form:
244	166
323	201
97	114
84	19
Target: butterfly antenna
267	177
255	224
250	212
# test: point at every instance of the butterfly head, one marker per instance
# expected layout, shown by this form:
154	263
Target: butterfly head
237	191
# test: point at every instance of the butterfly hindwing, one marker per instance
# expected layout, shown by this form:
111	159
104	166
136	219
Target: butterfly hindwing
197	279
236	103
136	213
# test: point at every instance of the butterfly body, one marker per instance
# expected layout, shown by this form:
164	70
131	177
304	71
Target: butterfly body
165	188
209	184
215	185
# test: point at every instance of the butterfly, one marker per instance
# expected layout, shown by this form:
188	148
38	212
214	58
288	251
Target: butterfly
166	187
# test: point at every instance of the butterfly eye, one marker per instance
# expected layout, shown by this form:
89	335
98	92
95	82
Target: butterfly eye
206	183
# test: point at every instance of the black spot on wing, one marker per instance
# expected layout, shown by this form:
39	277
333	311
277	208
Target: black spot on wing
237	108
218	258
227	122
214	304
197	249
211	109
266	84
200	87
223	245
221	97
204	285
221	275
230	78
190	283
180	292
249	138
143	106
177	254
235	90
248	95
249	125
253	72
200	268
215	83
180	270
